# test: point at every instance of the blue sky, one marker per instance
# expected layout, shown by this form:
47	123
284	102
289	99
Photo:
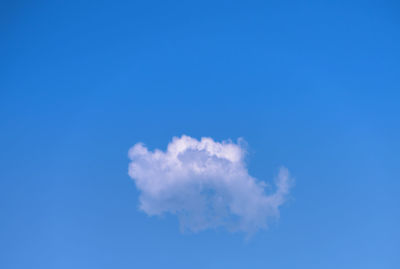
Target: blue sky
313	86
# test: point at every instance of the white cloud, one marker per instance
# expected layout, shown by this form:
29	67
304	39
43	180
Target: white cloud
206	184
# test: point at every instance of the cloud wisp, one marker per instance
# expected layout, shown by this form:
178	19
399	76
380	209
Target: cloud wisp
206	185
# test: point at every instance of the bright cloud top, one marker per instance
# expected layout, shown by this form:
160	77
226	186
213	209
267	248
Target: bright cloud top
206	184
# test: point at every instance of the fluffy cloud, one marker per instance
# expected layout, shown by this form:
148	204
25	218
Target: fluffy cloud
206	184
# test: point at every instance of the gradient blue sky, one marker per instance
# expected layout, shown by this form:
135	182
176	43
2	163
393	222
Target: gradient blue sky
313	86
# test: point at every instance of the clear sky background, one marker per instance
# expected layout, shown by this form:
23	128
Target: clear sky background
313	86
